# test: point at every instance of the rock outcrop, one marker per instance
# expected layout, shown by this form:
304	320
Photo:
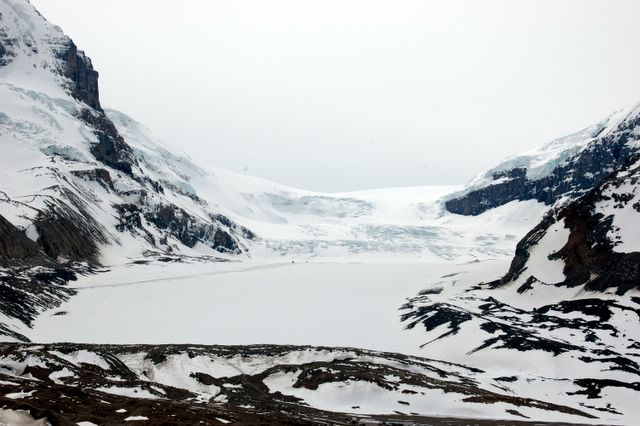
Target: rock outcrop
79	70
189	229
6	44
585	169
590	255
75	183
30	280
111	149
14	244
182	384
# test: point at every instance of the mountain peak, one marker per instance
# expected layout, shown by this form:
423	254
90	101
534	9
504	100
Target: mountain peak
36	54
564	168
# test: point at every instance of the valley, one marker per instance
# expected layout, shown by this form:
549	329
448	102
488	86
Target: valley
138	285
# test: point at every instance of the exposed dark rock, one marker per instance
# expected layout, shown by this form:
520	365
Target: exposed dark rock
62	231
602	309
84	79
223	242
497	194
25	292
510	337
507	379
130	219
6	44
432	318
111	148
7	331
79	397
128	216
14	244
588	255
247	233
206	379
516	413
32	281
146	181
177	222
519	261
528	284
518	329
190	230
102	176
580	173
3	52
435	290
593	387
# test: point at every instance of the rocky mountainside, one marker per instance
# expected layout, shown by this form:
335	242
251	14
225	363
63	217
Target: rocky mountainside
85	187
570	300
75	193
88	192
563	169
601	251
68	168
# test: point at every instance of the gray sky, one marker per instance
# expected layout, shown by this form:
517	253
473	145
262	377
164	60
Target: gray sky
341	94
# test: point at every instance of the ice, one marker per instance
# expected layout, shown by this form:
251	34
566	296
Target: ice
330	269
236	304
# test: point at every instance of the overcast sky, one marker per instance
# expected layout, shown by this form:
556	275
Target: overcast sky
340	95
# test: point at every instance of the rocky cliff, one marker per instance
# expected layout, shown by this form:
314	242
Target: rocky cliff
563	169
571	290
601	251
74	191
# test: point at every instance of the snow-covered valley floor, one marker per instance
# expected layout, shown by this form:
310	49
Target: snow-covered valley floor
353	304
321	307
138	285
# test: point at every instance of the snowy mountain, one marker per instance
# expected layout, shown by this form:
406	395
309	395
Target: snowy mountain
113	239
562	169
569	300
119	193
84	187
75	194
67	168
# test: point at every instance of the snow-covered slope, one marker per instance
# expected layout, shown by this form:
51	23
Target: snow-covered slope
65	167
299	224
568	307
262	384
591	242
108	235
73	193
82	186
560	170
119	193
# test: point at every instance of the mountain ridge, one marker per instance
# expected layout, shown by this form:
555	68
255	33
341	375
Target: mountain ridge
561	169
102	223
